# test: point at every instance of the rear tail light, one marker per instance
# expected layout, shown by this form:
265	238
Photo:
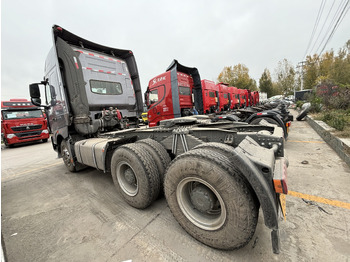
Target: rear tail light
288	124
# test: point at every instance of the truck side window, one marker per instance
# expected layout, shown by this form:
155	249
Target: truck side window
211	94
184	90
153	96
106	88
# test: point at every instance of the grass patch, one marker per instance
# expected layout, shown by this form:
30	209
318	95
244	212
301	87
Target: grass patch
338	119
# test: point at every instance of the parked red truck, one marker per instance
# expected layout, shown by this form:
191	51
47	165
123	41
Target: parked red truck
21	121
210	92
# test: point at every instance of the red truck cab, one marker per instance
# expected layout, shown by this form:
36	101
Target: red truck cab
210	93
234	96
21	122
242	98
175	93
224	96
255	95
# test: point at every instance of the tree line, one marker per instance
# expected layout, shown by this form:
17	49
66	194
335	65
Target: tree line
330	68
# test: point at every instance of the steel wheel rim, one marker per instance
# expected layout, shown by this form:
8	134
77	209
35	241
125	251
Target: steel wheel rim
66	156
122	169
201	219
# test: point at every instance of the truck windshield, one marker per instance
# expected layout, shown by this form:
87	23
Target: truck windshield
20	114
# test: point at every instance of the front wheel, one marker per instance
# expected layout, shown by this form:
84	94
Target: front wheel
212	202
71	164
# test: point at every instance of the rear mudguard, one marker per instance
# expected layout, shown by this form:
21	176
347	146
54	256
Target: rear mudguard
274	115
253	161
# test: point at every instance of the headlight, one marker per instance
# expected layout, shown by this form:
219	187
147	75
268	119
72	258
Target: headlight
45	131
9	136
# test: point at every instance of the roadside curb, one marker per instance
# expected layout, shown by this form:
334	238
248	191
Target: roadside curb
340	145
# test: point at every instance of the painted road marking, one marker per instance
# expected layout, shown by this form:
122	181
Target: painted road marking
3	179
295	141
335	203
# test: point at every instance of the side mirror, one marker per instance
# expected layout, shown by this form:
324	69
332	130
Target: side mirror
34	91
53	92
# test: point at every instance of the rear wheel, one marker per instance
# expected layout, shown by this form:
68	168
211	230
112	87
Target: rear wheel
256	121
159	155
210	202
135	175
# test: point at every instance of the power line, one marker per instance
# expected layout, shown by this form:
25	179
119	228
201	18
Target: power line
315	26
343	13
323	26
320	29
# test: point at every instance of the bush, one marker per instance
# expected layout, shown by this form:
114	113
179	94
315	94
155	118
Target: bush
299	104
338	119
340	99
316	103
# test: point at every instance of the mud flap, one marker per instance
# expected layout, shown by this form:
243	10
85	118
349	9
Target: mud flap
276	242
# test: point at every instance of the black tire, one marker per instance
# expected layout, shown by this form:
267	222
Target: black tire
68	160
210	202
223	149
160	157
256	121
45	140
135	175
302	114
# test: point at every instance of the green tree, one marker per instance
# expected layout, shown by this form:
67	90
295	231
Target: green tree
265	83
310	72
238	76
286	81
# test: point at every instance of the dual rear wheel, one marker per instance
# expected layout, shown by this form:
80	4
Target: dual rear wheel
206	193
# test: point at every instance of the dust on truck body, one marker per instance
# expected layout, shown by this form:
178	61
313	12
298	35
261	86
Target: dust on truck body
215	176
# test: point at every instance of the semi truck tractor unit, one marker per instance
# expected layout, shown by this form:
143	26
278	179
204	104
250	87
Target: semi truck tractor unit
21	122
215	175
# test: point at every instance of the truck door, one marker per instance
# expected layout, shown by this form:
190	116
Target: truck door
57	110
157	109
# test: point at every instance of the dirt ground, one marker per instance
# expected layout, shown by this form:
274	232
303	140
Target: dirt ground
50	214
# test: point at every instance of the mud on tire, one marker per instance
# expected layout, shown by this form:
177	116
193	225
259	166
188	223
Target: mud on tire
135	175
210	199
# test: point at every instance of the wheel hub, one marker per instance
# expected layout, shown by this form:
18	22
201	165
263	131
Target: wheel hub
130	176
203	198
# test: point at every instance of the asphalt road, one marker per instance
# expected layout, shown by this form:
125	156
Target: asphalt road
50	214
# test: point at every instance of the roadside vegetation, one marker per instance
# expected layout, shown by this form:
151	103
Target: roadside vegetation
328	75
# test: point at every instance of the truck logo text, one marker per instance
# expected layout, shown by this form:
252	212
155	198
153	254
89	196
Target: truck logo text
156	80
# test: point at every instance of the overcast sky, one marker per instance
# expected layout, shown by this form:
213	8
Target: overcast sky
204	34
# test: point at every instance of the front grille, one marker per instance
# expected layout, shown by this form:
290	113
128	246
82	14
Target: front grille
26	134
25	128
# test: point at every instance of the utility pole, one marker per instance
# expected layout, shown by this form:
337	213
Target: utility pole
301	65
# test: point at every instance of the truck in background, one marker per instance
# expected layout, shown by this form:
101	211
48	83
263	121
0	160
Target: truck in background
166	98
21	122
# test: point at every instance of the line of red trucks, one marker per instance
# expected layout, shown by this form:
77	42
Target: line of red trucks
180	92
